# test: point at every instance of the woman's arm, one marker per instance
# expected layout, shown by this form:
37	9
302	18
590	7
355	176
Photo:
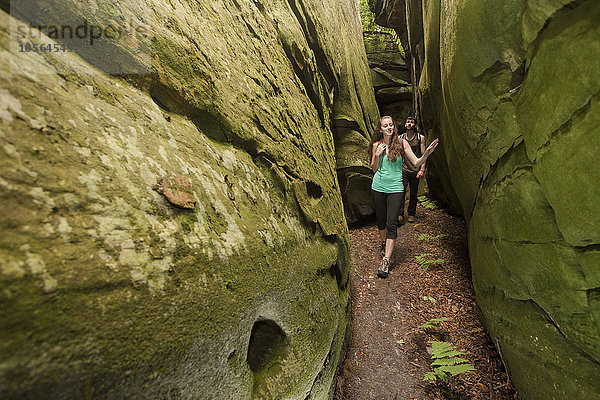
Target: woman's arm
417	162
378	148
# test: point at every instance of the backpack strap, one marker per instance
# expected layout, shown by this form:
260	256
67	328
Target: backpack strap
402	147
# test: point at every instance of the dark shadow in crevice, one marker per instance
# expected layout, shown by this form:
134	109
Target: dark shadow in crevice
334	271
517	78
267	341
493	69
315	191
344	123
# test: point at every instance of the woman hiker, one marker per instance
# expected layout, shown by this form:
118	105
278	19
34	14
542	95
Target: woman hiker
386	152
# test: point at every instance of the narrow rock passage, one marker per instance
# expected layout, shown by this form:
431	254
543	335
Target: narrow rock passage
387	354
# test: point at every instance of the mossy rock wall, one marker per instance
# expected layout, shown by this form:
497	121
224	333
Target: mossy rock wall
390	75
173	225
511	88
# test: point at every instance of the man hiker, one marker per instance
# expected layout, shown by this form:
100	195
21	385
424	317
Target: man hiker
410	173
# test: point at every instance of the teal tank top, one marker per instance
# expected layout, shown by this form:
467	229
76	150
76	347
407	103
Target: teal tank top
388	178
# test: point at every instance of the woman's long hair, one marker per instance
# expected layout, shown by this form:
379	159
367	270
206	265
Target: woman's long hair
395	149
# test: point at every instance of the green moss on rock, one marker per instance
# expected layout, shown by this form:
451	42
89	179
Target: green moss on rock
108	291
513	99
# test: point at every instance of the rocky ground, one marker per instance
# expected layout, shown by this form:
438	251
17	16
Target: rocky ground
388	351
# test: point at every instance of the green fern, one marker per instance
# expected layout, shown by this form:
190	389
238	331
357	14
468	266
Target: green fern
434	322
427	237
427	203
445	362
425	263
424	236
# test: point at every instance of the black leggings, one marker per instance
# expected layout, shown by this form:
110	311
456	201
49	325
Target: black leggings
387	207
410	180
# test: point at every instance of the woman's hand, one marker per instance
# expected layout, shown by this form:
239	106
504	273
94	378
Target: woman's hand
431	148
380	149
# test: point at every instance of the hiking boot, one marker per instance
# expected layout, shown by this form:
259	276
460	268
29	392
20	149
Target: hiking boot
382	249
384	268
411	218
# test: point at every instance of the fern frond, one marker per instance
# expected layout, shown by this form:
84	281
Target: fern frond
436	347
425	263
430	376
448	361
448	353
427	203
456	369
445	361
434	323
422	256
441	374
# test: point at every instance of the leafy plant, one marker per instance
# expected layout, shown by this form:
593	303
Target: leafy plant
434	322
445	362
368	22
424	236
429	298
427	202
424	263
427	237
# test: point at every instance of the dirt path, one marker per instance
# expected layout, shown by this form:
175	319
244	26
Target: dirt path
387	354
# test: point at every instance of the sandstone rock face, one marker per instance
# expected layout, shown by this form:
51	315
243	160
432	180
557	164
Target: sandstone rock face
390	75
172	223
392	14
511	88
389	69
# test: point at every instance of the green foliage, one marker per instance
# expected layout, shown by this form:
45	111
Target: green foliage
434	322
445	362
425	237
368	22
425	263
427	203
368	18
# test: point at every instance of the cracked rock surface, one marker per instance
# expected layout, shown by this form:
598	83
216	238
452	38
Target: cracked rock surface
230	279
511	88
